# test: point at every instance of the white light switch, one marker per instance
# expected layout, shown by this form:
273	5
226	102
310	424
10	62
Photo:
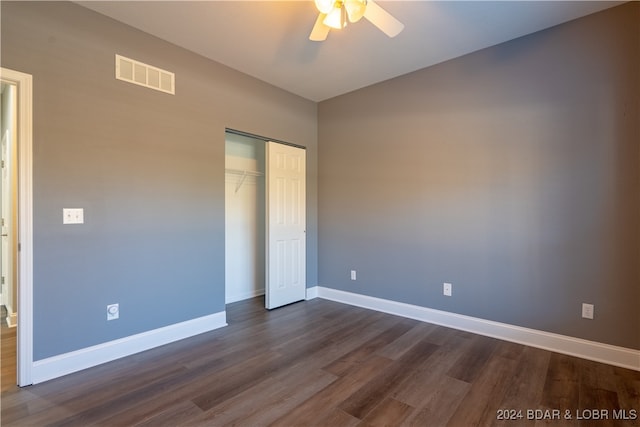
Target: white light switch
587	311
73	216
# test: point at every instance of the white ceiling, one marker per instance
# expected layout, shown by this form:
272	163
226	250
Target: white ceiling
269	39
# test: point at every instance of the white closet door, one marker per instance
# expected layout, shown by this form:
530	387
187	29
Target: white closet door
286	225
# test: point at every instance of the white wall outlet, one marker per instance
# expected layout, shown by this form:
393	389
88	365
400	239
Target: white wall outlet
73	216
446	289
587	311
113	311
353	275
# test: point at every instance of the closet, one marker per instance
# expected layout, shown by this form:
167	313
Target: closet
244	217
265	220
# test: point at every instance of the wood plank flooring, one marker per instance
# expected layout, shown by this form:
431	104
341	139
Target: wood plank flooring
323	363
7	353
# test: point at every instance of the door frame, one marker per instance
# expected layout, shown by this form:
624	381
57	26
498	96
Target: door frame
24	132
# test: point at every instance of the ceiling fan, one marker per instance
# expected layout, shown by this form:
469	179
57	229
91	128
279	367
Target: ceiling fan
336	13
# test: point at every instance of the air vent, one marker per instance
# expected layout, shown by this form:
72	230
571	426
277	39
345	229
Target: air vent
136	72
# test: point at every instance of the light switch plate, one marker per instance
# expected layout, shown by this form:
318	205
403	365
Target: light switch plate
73	216
587	311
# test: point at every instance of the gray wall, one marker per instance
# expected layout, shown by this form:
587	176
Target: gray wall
513	173
147	167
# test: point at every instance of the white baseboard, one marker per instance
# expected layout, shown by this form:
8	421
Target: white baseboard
57	366
12	320
243	296
12	316
591	350
312	293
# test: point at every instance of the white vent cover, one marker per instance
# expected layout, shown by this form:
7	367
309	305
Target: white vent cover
136	72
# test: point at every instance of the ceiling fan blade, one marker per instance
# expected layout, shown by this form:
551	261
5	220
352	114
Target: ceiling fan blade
320	31
382	19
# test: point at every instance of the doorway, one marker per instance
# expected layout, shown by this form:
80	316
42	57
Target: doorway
244	217
8	205
17	217
265	220
8	237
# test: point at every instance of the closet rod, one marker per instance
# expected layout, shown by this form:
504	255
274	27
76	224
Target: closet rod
262	138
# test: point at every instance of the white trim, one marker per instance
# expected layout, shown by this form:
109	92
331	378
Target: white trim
591	350
57	366
12	320
24	84
244	295
312	293
12	316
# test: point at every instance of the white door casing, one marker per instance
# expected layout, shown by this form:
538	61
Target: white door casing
286	225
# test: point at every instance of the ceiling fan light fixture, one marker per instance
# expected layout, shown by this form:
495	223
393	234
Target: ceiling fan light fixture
355	9
336	18
324	6
342	11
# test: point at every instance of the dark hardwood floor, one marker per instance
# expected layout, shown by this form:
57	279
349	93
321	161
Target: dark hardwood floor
324	363
7	353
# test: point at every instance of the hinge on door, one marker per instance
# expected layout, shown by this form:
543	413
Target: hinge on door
2	164
2	282
3	222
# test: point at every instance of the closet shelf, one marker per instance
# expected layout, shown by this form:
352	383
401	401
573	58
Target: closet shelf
243	175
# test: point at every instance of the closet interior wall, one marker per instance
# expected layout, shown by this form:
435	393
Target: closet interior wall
244	217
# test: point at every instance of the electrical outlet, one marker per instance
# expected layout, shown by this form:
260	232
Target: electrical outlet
446	289
353	275
73	216
113	311
587	311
